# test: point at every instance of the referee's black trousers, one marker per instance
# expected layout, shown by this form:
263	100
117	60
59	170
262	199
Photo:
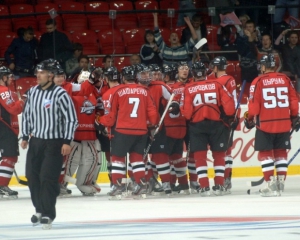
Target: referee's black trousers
43	167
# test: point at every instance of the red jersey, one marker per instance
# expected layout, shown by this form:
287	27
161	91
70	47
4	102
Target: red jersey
176	124
131	107
85	111
211	76
203	100
273	100
160	93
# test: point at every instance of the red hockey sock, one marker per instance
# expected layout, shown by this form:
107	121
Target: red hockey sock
201	168
281	163
138	166
162	165
266	159
219	167
7	166
149	171
180	168
228	163
117	169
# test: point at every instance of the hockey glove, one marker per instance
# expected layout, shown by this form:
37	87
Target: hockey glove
295	123
235	122
96	75
98	125
249	123
174	108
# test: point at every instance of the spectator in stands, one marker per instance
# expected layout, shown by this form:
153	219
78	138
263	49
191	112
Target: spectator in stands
23	50
135	59
176	52
266	48
185	4
240	29
150	53
226	37
246	46
72	63
253	12
108	61
220	3
54	44
290	53
83	67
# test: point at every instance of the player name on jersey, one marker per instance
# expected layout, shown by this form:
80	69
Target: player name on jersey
202	88
132	91
272	81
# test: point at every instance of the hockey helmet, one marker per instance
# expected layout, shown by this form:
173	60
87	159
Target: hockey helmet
112	74
154	68
182	65
199	70
170	70
268	61
129	73
143	74
48	65
4	71
220	62
96	73
156	72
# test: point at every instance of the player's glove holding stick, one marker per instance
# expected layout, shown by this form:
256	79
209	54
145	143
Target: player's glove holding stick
249	123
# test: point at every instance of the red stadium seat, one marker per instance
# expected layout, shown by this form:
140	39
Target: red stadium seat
59	2
134	39
99	21
111	42
45	7
37	35
89	41
24	21
178	30
212	38
21	9
165	33
43	1
11	2
145	20
4	10
124	21
5	25
76	23
72	7
121	62
238	78
6	39
169	22
23	84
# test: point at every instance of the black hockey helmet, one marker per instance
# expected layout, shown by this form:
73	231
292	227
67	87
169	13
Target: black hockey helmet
154	68
268	61
170	70
143	74
182	64
112	74
59	70
4	71
220	62
128	73
96	73
48	65
199	70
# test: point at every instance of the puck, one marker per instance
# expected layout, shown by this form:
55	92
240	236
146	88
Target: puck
248	191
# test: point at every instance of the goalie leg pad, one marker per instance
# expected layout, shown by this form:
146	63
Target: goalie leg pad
73	159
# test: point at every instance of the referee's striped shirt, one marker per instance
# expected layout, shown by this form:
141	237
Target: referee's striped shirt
49	114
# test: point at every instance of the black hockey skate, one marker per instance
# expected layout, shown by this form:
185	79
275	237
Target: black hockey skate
7	192
46	223
195	187
140	189
116	190
185	188
64	191
218	190
154	187
36	219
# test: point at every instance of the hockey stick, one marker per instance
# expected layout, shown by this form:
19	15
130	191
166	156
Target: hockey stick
20	181
257	183
200	43
159	124
236	109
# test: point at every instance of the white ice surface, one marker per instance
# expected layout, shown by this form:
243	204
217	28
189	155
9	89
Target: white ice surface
236	216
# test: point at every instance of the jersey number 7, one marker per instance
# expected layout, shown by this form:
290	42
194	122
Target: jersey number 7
135	102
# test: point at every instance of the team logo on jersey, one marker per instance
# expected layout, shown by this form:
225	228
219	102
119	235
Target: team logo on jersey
8	102
87	108
47	103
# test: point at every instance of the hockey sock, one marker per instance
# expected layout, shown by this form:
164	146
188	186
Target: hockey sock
281	163
180	168
228	163
138	166
117	168
163	166
267	163
219	167
154	169
7	166
193	176
129	170
173	177
201	168
149	172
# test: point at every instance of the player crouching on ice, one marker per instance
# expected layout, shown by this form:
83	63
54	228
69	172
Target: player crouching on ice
273	109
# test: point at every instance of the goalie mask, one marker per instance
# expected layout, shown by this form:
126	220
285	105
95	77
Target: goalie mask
143	74
220	63
199	70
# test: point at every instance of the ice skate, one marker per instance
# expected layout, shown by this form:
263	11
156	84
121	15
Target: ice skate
64	191
280	184
195	187
184	188
227	185
205	191
46	223
115	192
36	219
131	186
218	190
167	188
270	190
140	189
8	193
154	187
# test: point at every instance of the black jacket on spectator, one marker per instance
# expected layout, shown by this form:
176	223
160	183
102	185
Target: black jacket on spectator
23	52
186	34
63	47
149	56
290	58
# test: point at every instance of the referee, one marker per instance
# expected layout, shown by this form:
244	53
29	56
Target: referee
50	119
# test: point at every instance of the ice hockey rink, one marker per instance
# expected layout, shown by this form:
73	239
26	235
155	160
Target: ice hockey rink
235	216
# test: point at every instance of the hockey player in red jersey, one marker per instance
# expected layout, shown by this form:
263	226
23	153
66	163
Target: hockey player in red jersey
131	108
9	149
219	65
273	109
201	104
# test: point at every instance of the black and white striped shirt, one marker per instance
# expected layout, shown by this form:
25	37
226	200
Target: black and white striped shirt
49	114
